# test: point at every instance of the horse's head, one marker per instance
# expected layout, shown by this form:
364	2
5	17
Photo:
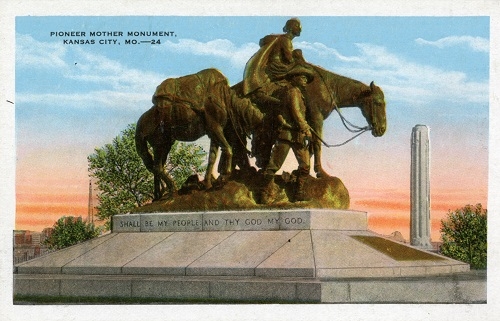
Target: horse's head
373	108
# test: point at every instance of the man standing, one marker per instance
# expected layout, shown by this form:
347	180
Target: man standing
265	82
294	132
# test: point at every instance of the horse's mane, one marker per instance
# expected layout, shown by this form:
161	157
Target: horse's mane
333	78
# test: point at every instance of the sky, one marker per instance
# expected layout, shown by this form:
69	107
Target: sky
72	98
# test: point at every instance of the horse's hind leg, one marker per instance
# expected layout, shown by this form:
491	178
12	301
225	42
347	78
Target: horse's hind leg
141	145
227	150
217	139
156	168
157	187
212	157
163	181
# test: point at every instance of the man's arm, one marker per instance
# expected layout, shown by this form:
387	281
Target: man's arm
297	109
286	48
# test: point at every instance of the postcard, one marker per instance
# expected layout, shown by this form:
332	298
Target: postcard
77	77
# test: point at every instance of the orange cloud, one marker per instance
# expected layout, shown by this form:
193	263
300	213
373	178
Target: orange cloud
35	224
54	208
384	204
389	210
51	198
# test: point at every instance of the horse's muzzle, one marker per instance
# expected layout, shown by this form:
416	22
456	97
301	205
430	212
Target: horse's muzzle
378	131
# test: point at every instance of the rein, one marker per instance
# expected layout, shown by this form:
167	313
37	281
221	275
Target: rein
355	129
341	144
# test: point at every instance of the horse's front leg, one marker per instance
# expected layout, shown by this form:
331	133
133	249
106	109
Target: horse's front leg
316	151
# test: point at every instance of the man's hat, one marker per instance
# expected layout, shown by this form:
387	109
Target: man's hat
301	71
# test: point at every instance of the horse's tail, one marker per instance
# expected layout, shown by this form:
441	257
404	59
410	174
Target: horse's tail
141	142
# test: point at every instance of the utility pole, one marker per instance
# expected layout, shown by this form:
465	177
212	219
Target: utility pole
91	207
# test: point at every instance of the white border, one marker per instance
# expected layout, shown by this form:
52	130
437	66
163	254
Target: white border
10	9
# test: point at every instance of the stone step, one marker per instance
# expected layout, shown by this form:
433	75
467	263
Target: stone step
284	253
460	288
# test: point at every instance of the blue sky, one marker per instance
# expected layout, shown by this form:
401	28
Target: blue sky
433	70
432	59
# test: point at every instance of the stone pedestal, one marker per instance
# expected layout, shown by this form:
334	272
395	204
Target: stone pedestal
420	228
302	255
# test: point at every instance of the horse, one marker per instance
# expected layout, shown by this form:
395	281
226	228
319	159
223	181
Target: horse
327	92
186	109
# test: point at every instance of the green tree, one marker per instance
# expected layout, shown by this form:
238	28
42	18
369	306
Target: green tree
124	182
464	235
69	230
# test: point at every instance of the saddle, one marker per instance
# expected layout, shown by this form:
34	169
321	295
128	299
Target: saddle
187	90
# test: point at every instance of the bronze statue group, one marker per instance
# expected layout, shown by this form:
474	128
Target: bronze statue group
276	103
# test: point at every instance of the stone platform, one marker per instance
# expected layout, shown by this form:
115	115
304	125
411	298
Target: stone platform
275	256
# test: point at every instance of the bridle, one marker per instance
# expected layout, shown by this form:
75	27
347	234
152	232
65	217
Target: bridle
355	129
358	130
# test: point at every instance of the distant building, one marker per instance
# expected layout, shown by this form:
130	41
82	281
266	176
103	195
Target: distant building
22	237
437	246
396	236
18	238
46	233
36	238
29	245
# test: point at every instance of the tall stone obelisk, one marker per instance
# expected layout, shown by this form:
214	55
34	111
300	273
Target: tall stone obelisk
420	228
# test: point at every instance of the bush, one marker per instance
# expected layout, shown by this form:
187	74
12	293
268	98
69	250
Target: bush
69	230
464	235
123	181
